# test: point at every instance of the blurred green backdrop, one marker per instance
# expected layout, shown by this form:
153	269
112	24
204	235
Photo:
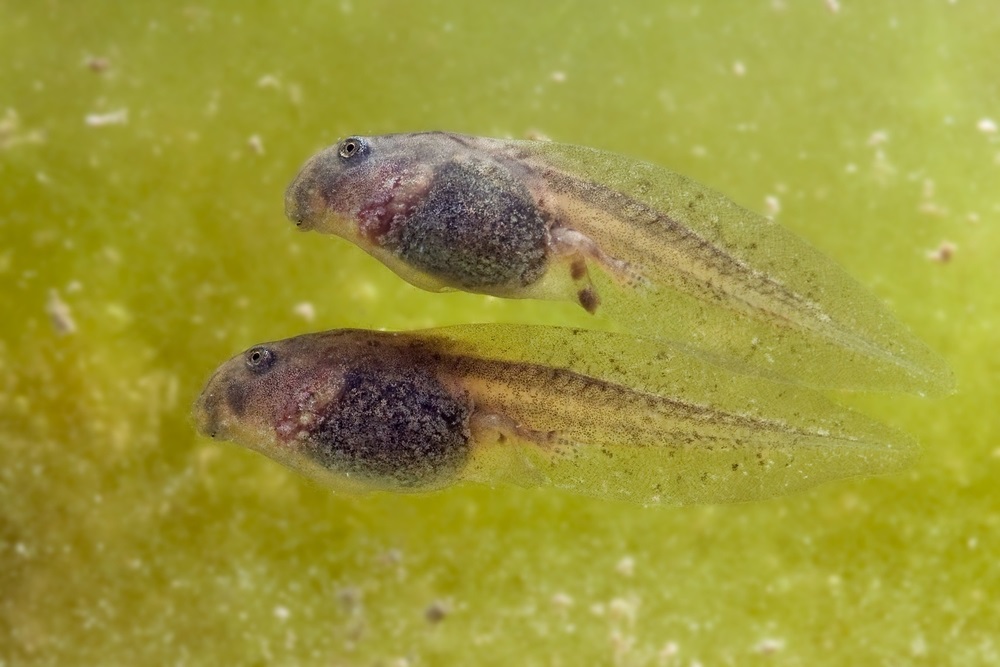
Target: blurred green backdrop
144	149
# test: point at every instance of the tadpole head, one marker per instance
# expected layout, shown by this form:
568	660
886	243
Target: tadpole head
234	400
251	397
258	398
332	186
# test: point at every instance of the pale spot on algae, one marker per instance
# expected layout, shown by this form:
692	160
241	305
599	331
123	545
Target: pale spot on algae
769	646
11	133
305	310
59	314
562	601
256	144
108	118
772	206
626	566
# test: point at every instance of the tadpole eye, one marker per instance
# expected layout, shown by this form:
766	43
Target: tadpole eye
352	146
259	359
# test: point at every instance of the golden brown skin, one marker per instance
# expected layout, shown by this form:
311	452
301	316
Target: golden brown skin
664	257
361	410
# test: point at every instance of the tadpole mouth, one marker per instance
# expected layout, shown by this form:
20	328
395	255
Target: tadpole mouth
296	202
304	199
206	414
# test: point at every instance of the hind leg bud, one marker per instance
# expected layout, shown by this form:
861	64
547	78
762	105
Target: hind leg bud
578	249
493	427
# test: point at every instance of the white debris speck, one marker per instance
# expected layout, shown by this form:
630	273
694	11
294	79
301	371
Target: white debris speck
282	613
59	314
833	6
878	137
11	134
562	600
987	125
699	151
769	646
537	135
851	168
626	566
943	253
116	117
256	144
772	206
669	650
624	609
918	647
269	81
305	310
739	69
559	76
972	542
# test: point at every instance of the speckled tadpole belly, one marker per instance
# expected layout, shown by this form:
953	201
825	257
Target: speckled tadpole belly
475	227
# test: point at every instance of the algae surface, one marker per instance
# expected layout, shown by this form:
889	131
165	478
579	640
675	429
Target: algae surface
144	149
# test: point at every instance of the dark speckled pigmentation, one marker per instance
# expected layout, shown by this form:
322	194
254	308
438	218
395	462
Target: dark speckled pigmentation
477	227
401	428
412	412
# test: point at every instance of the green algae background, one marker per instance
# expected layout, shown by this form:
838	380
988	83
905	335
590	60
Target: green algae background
144	149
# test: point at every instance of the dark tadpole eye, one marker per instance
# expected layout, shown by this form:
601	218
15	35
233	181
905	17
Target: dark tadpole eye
259	359
351	147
